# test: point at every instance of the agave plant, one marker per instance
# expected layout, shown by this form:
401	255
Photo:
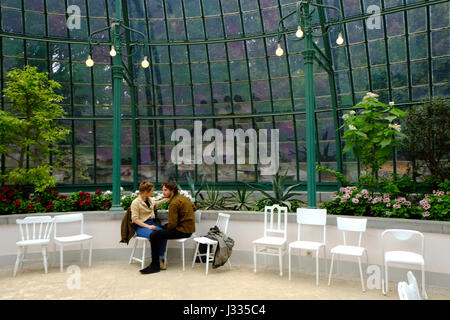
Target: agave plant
213	200
241	200
195	193
281	194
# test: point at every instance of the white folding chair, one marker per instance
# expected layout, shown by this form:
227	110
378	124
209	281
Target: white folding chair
402	257
272	245
351	225
315	217
68	240
198	216
211	245
33	237
410	290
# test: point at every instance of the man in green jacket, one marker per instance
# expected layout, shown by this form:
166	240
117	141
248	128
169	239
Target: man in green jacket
181	223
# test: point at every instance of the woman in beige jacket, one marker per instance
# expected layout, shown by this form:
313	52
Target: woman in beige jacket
143	215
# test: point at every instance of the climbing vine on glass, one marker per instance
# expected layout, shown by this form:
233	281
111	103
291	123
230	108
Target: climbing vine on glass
370	132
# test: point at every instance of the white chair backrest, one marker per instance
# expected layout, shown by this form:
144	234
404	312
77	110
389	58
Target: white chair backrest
352	225
402	235
222	222
66	218
409	291
281	223
44	224
316	217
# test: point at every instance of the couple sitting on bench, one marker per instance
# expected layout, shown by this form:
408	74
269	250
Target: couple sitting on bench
181	221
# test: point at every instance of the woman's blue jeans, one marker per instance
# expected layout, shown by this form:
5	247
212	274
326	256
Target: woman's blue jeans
145	233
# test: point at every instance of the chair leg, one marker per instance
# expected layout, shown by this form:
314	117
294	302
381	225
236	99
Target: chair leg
23	256
331	269
132	252
143	255
207	258
289	263
281	261
317	267
386	284
81	252
254	258
90	253
424	293
325	259
182	254
44	258
195	254
61	258
361	274
19	255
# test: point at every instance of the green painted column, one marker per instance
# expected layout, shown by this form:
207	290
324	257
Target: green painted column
117	71
308	54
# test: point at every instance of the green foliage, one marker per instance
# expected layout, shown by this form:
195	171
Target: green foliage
30	129
370	134
241	200
339	176
262	203
428	135
281	195
195	193
213	200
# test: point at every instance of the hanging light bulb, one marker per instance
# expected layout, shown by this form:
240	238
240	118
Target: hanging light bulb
113	52
299	33
340	39
90	62
145	64
279	51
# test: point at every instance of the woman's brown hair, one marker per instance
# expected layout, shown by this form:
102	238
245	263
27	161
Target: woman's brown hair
146	186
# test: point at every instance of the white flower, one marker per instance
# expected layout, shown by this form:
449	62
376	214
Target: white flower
352	112
121	188
370	95
107	193
352	127
396	127
345	116
391	103
123	197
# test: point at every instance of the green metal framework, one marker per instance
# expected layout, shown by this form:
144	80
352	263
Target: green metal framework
223	53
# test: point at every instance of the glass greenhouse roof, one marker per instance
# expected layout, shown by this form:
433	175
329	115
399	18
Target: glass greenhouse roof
215	61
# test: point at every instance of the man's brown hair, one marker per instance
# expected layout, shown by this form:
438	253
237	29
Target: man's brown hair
172	186
145	186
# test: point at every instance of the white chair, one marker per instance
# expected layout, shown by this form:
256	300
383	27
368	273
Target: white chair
272	245
198	216
408	291
402	257
137	240
316	217
351	225
68	240
211	245
33	237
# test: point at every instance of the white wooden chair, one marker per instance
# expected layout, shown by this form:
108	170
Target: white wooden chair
351	225
312	217
182	241
68	240
39	235
211	245
272	245
402	257
138	240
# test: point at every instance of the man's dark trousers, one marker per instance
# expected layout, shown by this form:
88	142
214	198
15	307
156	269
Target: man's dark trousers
156	239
